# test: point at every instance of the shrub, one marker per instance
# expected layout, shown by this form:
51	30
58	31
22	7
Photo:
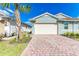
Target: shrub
71	34
1	36
25	37
13	40
14	33
76	35
67	34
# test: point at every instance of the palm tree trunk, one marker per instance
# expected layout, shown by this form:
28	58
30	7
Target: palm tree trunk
18	22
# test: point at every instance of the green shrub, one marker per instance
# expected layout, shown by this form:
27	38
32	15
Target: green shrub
67	34
76	35
1	36
13	40
13	34
71	34
25	38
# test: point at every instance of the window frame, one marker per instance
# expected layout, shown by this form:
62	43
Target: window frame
65	25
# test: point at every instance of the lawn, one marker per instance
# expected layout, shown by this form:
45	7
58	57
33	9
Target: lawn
7	49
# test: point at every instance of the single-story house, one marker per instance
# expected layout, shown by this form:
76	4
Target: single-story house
8	25
54	24
26	27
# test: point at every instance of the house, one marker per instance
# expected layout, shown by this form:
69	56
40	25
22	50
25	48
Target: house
26	27
8	25
54	24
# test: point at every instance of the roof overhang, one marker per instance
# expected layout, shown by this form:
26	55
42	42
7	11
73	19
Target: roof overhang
68	20
34	19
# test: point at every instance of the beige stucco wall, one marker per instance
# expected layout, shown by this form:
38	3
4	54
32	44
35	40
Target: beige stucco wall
61	29
72	27
1	27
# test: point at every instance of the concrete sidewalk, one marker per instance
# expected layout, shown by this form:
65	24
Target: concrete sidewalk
8	38
51	45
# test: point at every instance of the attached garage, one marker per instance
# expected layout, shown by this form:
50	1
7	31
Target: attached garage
45	29
45	24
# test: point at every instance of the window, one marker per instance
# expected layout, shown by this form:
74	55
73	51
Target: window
65	25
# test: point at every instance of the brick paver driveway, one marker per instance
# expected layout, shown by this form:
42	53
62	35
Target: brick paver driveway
51	45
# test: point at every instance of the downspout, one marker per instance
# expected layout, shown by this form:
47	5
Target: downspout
57	28
73	27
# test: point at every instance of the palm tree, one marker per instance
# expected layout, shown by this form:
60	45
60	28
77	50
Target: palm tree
17	8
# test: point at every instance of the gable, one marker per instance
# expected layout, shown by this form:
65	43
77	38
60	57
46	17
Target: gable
46	18
61	15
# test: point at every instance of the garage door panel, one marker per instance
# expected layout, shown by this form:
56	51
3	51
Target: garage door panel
45	28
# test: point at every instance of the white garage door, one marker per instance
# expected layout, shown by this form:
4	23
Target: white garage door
45	28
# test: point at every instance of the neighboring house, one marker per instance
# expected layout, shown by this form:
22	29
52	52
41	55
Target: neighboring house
26	27
8	25
54	24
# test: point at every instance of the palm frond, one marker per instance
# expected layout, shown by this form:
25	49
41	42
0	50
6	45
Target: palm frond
5	5
24	8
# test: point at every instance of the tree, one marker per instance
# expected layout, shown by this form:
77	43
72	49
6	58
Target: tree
17	8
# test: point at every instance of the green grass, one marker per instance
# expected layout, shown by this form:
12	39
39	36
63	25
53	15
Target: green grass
76	39
7	49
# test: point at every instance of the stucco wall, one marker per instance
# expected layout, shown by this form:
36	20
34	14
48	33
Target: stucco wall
72	27
1	28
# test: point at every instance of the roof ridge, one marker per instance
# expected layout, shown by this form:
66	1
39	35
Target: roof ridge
42	15
63	14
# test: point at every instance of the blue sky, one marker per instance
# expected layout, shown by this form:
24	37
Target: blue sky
71	9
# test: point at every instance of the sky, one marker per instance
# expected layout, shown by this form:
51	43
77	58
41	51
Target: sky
71	9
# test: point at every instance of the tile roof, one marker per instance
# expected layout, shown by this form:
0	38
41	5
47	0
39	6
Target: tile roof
58	17
69	19
62	15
